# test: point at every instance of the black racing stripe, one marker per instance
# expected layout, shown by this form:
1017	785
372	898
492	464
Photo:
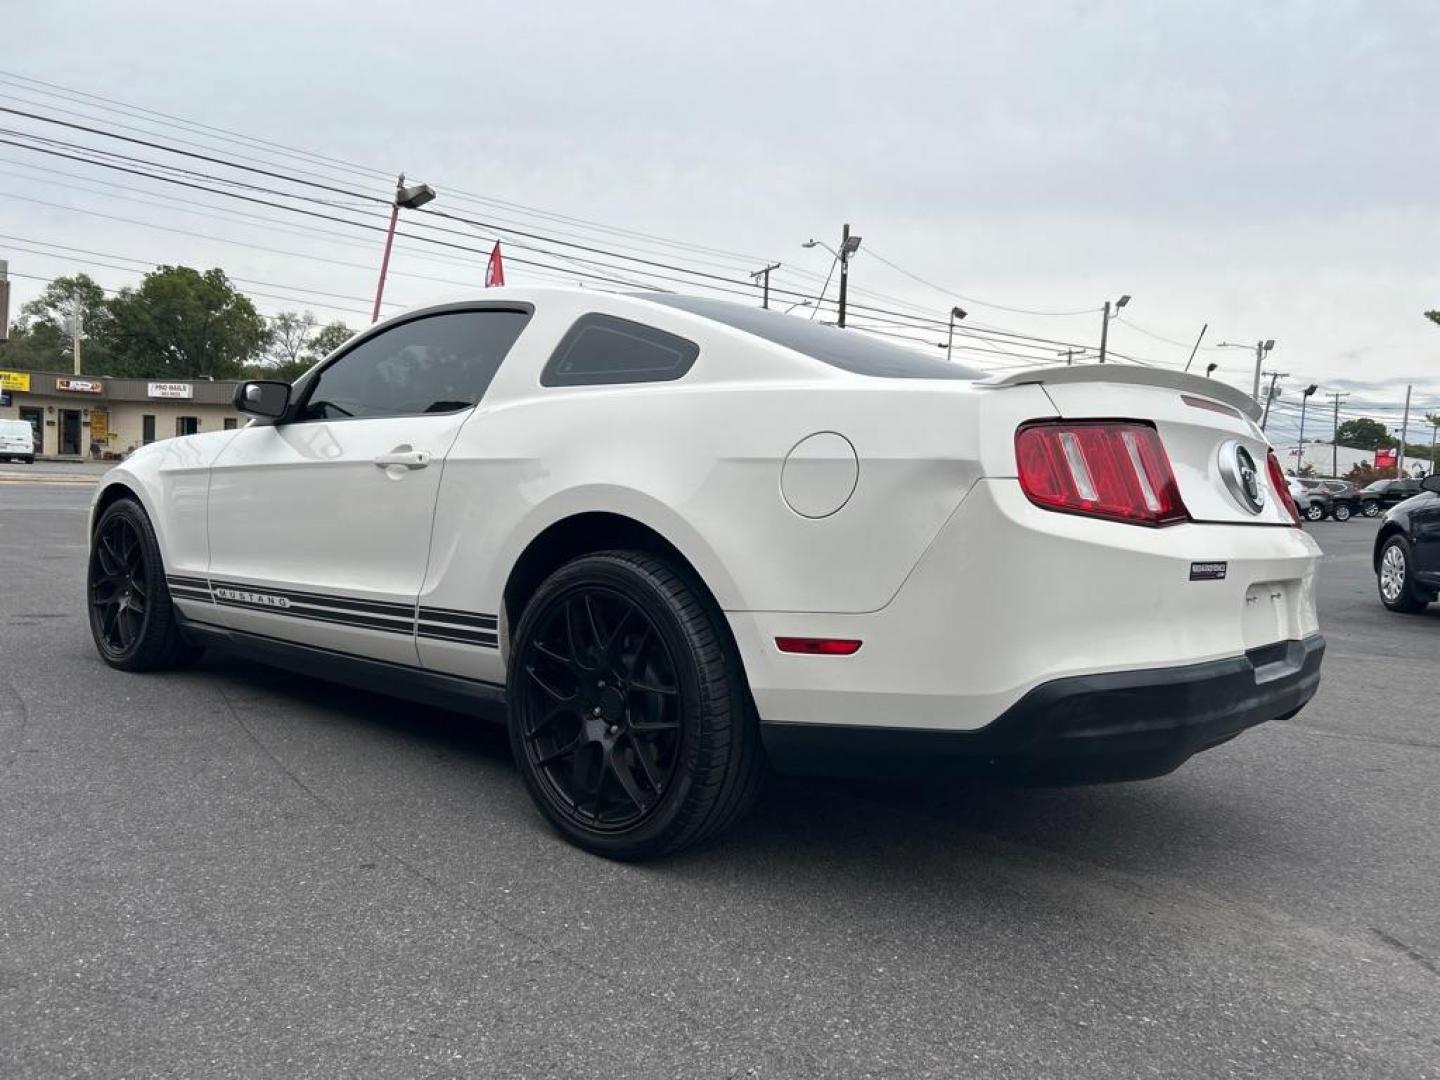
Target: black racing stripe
463	637
339	618
176	579
327	608
377	607
186	590
460	618
305	645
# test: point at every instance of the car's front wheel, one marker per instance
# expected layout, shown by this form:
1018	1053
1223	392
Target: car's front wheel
1315	512
1341	512
1398	591
131	617
1370	509
630	718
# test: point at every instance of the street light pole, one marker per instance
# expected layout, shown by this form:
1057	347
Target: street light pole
1404	431
411	198
955	313
763	274
1261	348
1105	322
1304	399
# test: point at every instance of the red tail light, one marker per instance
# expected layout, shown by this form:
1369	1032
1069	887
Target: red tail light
1281	486
1115	469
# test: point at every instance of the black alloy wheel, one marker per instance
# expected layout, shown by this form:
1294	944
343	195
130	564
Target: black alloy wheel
1370	508
131	616
628	714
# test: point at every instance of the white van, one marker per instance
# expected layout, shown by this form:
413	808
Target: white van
17	441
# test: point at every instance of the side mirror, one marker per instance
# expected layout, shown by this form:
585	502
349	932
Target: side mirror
1431	483
264	398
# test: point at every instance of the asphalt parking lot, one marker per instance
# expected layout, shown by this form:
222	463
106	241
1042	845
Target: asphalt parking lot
232	871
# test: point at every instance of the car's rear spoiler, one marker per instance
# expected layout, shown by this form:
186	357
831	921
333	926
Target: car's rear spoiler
1138	376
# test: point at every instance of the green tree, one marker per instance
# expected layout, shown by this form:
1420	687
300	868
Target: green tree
327	339
182	324
1364	434
40	340
1433	316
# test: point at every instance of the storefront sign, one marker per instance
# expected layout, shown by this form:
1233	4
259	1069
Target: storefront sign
80	386
15	380
99	425
171	390
1386	457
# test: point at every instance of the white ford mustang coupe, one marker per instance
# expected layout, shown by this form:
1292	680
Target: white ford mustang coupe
675	540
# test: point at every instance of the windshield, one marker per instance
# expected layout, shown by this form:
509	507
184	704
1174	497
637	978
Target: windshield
1378	485
849	350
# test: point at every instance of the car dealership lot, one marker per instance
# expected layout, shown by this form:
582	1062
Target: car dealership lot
232	870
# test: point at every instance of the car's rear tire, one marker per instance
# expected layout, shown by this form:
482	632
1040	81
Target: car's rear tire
1341	512
132	619
1315	512
1396	579
630	718
1370	509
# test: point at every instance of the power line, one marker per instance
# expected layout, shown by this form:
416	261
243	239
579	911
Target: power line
870	250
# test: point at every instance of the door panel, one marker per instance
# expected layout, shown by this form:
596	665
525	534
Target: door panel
320	524
302	513
1425	531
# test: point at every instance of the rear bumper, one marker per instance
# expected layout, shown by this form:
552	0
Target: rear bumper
1120	725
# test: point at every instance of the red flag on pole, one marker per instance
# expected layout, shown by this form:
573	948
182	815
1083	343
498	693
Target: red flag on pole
495	268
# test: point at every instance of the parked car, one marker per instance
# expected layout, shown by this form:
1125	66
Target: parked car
668	539
1381	495
17	441
1328	498
1407	551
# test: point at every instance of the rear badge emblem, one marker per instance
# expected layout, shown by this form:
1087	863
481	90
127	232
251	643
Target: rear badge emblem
1208	571
1242	476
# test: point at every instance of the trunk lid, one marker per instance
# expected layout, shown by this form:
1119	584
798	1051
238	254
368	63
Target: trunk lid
1202	424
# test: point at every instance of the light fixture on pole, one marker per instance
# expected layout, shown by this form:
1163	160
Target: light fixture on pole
792	307
955	313
410	198
1305	396
1105	322
1210	369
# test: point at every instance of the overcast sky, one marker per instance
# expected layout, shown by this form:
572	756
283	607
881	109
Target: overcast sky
1269	168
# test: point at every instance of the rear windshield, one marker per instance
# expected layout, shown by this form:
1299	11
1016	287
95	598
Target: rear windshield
849	350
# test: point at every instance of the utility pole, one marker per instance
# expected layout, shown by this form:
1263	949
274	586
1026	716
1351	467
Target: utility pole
76	330
1105	322
1404	429
848	246
763	274
1261	348
1336	396
1275	376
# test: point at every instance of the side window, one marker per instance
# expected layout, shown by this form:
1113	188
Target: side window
603	349
434	364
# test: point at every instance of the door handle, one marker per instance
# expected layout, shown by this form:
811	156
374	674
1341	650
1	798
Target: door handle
403	456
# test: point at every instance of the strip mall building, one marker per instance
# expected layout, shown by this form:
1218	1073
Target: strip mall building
77	416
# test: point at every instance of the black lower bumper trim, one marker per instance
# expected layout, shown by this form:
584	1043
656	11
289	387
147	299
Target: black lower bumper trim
1125	725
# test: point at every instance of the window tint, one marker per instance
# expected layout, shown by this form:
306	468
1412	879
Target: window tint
604	349
435	364
849	350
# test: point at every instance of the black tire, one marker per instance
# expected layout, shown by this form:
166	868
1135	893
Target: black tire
1341	512
29	460
1315	512
132	620
1370	508
662	748
1395	578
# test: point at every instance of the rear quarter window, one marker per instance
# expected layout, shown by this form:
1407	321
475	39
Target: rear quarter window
600	349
